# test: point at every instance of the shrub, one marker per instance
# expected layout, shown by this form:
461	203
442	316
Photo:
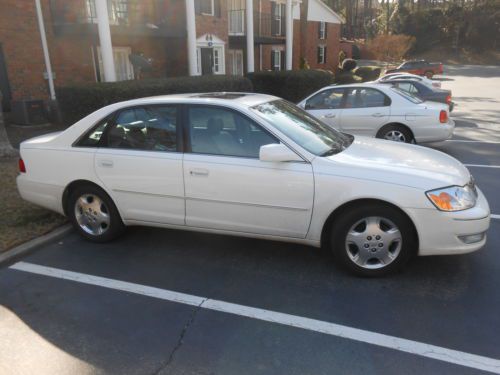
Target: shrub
368	73
348	65
390	47
344	78
292	85
76	102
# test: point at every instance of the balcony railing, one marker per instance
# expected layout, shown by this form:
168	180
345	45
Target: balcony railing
146	17
265	25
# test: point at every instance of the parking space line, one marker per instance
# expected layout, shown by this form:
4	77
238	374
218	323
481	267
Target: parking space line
471	141
495	216
482	166
332	329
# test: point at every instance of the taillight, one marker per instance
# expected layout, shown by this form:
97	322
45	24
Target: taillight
448	99
443	117
22	167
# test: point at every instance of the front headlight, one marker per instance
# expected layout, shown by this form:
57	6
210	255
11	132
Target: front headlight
453	198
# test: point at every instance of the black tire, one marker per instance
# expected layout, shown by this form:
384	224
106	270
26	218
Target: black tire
429	74
341	250
406	135
112	230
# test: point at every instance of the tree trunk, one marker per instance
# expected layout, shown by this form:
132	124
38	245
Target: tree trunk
5	147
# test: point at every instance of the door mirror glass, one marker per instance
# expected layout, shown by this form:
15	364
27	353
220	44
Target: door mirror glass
277	152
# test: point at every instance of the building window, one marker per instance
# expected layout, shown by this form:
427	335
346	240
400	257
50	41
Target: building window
322	30
117	12
321	55
235	62
123	68
205	7
276	59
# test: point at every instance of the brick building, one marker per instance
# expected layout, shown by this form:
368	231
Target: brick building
150	38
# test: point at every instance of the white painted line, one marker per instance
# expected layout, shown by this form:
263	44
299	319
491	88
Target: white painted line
332	329
482	166
495	216
471	141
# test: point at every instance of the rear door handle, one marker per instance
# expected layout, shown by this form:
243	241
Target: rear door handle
378	114
198	172
330	115
106	163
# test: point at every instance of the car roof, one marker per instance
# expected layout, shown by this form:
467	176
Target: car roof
365	84
244	99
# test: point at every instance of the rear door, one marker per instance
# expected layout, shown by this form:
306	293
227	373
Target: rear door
327	106
140	162
365	111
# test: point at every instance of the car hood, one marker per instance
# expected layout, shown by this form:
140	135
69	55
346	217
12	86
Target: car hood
397	163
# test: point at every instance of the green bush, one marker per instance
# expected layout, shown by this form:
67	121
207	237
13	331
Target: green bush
368	73
344	78
76	102
292	85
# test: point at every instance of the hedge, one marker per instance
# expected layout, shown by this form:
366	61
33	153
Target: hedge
368	73
292	85
78	101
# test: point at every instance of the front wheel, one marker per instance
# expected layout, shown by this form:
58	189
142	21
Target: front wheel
93	214
395	133
373	240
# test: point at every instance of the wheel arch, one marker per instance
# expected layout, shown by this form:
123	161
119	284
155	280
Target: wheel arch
328	224
76	183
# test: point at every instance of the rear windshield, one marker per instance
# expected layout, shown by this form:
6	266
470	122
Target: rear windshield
407	95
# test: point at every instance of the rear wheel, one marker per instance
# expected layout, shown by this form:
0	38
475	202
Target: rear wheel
373	240
395	133
93	214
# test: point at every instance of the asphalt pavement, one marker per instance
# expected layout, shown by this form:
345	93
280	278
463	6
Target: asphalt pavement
160	301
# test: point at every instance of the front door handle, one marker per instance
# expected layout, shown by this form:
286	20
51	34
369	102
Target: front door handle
378	114
198	172
106	163
330	115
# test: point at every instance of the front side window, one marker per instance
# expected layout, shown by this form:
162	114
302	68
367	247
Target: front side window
144	128
304	129
326	99
220	131
365	98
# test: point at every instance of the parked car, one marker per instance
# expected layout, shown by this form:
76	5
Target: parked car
423	79
256	166
423	91
419	67
382	111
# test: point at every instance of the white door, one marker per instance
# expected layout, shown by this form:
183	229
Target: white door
123	68
326	106
229	188
139	164
235	62
365	111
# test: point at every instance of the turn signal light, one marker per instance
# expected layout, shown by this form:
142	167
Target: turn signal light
443	117
442	201
22	167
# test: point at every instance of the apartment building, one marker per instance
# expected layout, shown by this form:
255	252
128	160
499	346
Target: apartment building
157	38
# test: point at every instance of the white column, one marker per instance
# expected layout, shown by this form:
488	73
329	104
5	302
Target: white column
191	37
250	50
46	57
108	63
289	34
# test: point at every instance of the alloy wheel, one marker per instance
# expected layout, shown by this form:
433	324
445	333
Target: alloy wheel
92	214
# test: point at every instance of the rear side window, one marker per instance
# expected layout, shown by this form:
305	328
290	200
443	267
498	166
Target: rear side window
327	99
94	135
151	128
366	98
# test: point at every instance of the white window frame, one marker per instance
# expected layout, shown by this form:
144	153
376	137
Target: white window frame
277	61
322	30
322	55
234	67
279	18
212	12
129	68
113	10
236	17
221	69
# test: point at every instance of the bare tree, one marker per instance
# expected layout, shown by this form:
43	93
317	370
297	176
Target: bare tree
5	147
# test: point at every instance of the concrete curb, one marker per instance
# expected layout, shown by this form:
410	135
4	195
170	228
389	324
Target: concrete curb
17	252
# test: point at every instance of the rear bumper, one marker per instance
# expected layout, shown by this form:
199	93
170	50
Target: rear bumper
43	195
440	232
435	133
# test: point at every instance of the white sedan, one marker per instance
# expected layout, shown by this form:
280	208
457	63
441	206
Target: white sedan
256	166
382	111
395	76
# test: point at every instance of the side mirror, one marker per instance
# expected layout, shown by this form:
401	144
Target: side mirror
277	152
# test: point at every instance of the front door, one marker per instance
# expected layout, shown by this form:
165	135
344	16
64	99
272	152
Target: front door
365	111
229	188
4	83
326	106
207	64
140	164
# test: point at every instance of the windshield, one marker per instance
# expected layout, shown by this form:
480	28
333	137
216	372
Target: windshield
407	95
304	129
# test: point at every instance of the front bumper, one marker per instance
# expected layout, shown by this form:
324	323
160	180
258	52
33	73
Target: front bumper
439	232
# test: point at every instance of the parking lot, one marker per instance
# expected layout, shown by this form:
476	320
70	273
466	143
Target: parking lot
159	301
